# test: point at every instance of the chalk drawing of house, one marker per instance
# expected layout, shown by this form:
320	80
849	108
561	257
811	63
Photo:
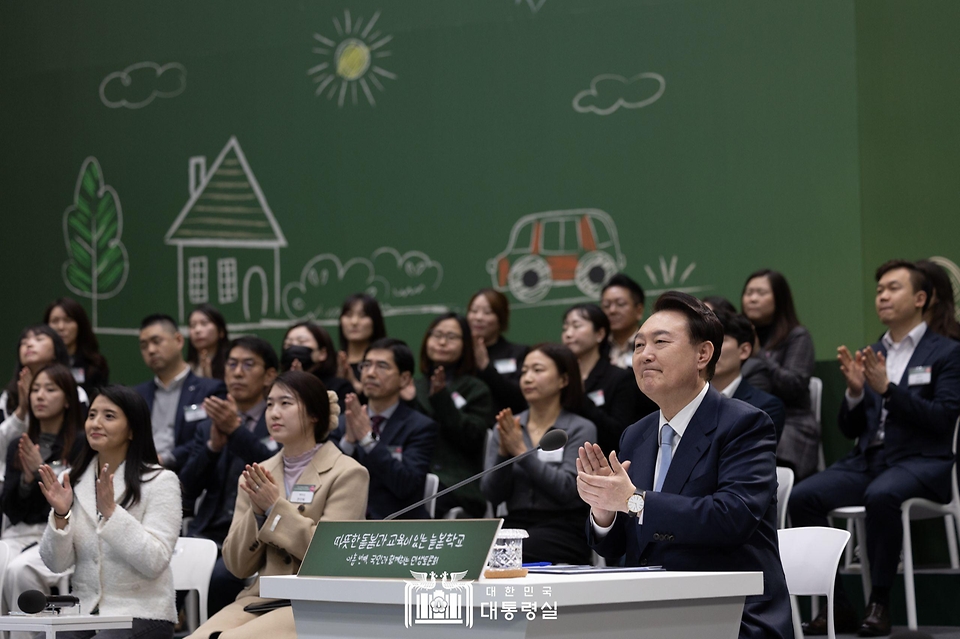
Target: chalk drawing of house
228	241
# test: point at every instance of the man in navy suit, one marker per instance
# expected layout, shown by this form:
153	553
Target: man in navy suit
235	435
393	441
738	340
902	402
697	489
175	395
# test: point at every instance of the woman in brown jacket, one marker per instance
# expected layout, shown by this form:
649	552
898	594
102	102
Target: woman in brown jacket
281	500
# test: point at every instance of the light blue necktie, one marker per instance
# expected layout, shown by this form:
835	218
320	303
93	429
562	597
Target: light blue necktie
666	454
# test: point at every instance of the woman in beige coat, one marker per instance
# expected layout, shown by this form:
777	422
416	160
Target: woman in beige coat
271	530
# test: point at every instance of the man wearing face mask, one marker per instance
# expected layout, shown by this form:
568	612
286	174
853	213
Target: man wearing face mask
235	435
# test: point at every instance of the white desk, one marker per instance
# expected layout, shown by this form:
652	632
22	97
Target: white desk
669	605
52	624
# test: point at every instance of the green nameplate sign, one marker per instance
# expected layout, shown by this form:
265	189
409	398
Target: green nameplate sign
391	549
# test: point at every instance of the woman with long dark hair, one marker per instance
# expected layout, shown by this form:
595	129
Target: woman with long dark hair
541	490
786	348
310	345
115	518
361	324
68	318
498	361
450	394
941	315
53	437
281	500
612	400
39	345
209	342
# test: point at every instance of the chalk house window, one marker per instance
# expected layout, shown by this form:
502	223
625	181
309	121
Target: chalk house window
197	280
227	280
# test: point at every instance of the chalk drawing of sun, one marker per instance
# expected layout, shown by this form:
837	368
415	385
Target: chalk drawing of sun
351	60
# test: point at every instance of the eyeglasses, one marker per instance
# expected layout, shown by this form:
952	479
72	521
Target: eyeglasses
379	367
247	364
448	337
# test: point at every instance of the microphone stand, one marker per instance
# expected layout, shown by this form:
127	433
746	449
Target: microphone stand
462	483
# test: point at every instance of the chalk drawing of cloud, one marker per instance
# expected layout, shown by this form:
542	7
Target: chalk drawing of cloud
386	275
609	92
139	84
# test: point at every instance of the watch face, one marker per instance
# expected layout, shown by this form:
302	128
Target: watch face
635	503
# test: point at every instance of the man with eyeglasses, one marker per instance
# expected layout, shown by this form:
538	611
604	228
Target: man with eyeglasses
393	441
622	300
175	395
235	435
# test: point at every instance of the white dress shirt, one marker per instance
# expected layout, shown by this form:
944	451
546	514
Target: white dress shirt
731	388
679	425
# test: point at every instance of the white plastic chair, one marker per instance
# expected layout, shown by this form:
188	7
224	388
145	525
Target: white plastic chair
192	566
919	508
816	403
4	558
430	488
810	557
784	488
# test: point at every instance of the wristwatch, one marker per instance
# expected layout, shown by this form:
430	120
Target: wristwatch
635	503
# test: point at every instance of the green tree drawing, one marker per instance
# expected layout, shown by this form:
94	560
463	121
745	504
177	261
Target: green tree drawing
98	265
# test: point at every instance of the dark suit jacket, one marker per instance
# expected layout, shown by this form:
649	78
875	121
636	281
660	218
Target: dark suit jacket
219	474
718	507
395	483
918	433
505	388
194	391
772	406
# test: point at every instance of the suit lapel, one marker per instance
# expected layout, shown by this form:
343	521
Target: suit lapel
922	354
394	425
694	442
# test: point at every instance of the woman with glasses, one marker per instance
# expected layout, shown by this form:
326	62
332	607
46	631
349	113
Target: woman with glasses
460	403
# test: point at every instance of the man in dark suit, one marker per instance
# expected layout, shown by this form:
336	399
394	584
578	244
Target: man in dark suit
698	488
902	402
235	435
175	395
738	339
393	441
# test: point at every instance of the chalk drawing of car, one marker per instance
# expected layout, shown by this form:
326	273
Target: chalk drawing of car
578	247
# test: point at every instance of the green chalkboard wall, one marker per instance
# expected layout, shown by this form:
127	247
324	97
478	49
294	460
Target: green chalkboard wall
273	157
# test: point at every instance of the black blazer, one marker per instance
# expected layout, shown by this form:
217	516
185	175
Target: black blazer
717	510
505	387
772	406
918	433
31	508
194	391
399	463
622	402
219	474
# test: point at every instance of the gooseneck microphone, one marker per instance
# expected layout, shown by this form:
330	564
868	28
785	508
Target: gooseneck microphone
552	440
34	601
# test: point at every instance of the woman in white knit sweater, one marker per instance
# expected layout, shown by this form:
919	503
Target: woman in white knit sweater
115	519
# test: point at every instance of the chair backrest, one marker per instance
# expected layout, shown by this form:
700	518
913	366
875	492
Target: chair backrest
192	563
810	557
816	397
4	557
784	488
430	488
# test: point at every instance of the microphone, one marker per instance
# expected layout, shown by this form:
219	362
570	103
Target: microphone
34	601
552	440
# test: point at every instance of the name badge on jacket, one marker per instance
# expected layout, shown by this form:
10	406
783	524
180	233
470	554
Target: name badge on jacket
397	453
79	375
458	400
597	397
505	366
194	413
919	375
270	443
550	456
302	494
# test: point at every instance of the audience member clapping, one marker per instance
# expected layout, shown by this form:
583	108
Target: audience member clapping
498	361
307	346
361	324
209	342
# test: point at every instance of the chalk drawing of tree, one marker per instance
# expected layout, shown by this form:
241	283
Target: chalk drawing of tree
98	265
